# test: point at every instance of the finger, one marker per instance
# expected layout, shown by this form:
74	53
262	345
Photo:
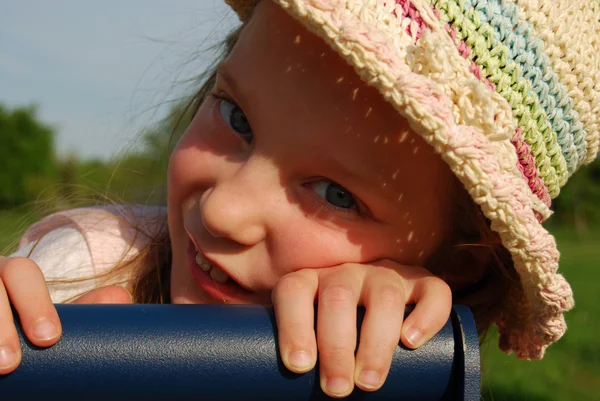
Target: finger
112	294
433	300
384	300
10	347
27	290
293	299
336	332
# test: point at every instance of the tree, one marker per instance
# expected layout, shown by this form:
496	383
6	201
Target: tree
578	204
27	156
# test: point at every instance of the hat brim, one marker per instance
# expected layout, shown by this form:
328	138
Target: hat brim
475	144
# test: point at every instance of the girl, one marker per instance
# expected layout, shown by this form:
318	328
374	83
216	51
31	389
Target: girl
338	146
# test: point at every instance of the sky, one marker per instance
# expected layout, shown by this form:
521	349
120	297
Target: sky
101	71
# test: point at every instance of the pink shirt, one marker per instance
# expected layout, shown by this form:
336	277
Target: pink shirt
86	242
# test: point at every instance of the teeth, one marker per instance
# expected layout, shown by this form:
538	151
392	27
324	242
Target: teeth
219	275
204	265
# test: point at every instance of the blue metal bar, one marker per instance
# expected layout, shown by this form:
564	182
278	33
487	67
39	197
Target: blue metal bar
217	353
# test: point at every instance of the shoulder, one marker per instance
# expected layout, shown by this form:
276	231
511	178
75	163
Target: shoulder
119	220
87	242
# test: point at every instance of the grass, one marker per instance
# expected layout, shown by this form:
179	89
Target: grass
13	223
571	368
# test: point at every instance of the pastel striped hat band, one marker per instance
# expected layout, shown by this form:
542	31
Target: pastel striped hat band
508	93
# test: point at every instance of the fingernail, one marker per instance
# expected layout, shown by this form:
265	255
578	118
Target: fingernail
369	379
414	337
45	330
7	357
337	386
300	360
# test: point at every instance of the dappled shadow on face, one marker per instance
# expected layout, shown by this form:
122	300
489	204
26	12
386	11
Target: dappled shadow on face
333	125
313	118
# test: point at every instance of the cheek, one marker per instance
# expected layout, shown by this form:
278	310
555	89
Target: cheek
196	157
188	169
304	243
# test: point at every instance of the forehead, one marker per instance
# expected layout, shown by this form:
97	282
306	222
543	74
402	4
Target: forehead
294	81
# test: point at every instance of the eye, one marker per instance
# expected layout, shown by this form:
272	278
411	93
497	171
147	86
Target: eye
235	118
334	194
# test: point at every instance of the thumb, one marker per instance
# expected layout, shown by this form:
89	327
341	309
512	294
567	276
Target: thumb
112	294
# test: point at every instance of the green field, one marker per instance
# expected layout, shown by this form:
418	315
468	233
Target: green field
12	225
571	368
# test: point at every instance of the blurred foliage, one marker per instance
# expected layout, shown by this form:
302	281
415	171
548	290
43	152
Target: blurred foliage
138	176
570	369
28	165
578	203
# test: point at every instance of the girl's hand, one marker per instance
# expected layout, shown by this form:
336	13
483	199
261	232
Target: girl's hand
384	288
22	284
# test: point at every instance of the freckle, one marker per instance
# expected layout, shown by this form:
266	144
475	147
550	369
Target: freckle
403	137
354	94
369	112
340	80
415	150
410	236
394	177
376	139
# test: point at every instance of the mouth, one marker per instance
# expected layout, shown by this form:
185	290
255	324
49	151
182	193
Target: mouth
213	279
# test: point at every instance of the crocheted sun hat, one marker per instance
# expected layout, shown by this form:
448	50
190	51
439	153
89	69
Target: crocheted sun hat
508	93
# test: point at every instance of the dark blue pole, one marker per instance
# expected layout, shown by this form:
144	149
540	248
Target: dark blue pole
216	353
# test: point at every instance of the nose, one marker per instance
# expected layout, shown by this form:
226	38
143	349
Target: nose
237	206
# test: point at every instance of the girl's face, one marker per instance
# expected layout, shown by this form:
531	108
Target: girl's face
292	163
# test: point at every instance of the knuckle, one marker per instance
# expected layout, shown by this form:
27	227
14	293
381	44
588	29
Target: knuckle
438	285
390	296
387	264
298	337
445	292
337	295
18	265
292	283
351	271
382	348
335	352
